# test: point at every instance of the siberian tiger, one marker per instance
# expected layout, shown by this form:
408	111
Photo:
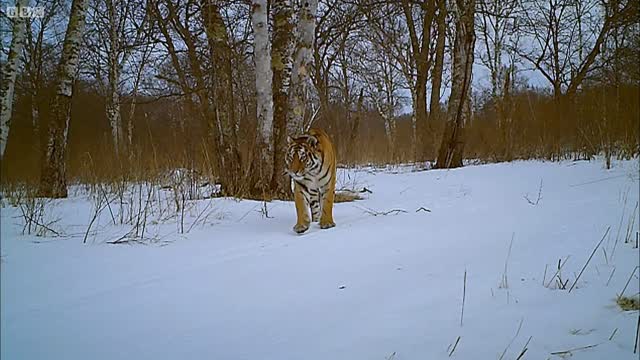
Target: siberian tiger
311	163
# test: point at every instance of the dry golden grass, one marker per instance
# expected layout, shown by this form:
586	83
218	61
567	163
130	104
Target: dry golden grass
627	303
346	196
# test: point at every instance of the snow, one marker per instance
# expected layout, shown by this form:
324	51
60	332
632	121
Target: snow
240	285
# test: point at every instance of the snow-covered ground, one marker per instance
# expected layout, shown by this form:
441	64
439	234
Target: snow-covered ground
236	284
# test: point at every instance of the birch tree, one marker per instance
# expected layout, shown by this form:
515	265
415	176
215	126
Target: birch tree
203	72
264	94
300	80
53	182
335	25
383	83
115	35
221	92
498	34
387	29
281	64
9	74
451	150
355	127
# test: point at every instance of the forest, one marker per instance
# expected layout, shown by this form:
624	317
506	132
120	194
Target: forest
115	90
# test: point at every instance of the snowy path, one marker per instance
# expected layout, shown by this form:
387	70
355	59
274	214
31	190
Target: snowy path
247	287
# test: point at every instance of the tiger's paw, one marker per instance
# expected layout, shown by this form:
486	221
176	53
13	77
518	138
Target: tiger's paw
300	228
327	224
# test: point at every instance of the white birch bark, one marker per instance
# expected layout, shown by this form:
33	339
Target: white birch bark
113	96
9	74
305	32
53	181
385	110
458	115
264	94
70	53
281	63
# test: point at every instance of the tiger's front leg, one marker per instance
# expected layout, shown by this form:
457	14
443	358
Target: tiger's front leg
316	204
302	212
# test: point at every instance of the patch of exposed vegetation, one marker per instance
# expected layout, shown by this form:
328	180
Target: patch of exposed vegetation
346	196
628	303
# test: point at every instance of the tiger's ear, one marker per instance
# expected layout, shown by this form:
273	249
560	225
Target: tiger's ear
289	139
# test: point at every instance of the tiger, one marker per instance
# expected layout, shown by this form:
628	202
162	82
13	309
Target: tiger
311	163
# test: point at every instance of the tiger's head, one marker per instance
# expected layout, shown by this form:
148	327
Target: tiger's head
303	155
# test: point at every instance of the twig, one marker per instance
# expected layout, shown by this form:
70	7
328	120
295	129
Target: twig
610	276
199	216
505	283
93	219
534	203
104	194
628	281
630	225
384	213
454	346
606	260
587	263
247	213
599	180
265	210
524	349
512	340
635	346
182	209
464	294
564	352
561	285
613	334
31	219
624	208
423	209
312	119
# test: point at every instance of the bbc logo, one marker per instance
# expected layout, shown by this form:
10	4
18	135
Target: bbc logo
25	12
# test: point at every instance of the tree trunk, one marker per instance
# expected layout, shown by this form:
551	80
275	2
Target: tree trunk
264	95
436	74
301	66
281	63
9	74
36	82
113	110
112	104
203	107
53	182
414	125
355	126
223	112
452	146
134	95
389	134
420	49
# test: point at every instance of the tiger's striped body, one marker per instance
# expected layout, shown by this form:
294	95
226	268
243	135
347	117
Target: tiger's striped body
311	163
